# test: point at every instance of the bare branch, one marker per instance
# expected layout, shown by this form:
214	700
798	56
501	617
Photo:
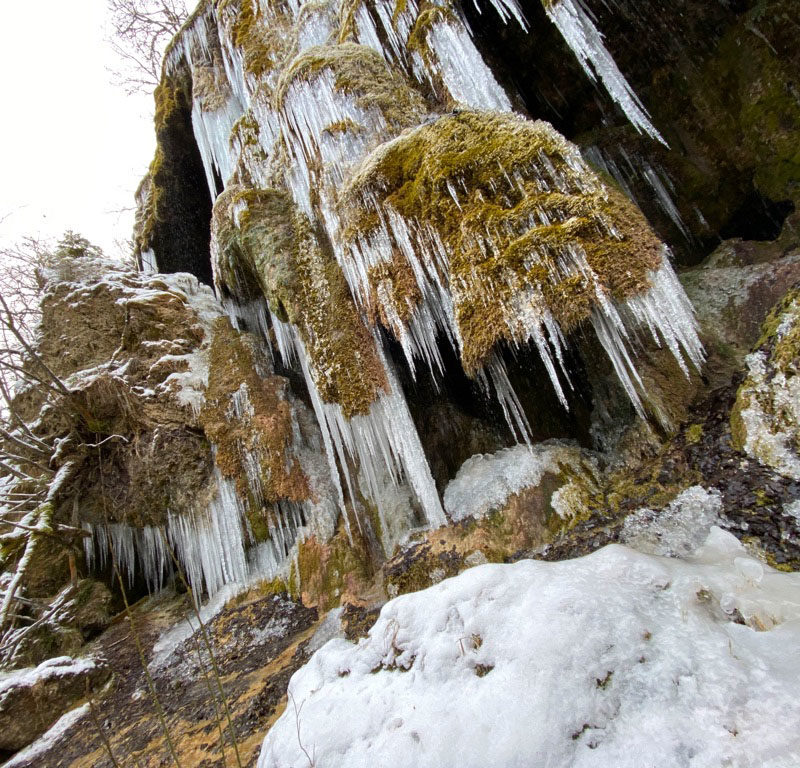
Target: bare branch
141	31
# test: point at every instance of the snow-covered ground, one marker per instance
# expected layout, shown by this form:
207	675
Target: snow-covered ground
616	659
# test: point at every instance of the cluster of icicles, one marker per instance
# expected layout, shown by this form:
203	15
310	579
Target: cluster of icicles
214	547
384	442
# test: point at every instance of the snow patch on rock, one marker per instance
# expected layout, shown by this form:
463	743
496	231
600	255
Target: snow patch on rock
618	658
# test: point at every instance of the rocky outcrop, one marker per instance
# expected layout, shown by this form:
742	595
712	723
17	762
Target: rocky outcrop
31	700
765	421
442	333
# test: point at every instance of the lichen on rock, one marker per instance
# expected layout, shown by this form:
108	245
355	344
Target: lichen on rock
765	422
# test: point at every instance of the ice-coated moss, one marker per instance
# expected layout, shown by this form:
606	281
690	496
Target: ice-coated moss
519	215
265	243
360	72
251	34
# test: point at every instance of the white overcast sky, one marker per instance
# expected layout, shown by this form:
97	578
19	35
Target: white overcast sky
74	146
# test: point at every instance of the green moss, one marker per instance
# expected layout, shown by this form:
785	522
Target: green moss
275	250
332	570
738	429
780	342
267	435
694	434
737	113
428	16
261	42
499	257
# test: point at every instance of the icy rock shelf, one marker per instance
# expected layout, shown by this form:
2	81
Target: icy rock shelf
214	547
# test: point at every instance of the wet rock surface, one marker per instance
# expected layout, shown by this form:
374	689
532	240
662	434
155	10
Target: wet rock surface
32	699
257	644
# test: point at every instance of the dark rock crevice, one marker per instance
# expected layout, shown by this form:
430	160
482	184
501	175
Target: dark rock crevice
181	215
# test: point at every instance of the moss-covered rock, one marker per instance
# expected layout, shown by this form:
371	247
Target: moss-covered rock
506	506
734	290
265	243
332	572
250	420
525	227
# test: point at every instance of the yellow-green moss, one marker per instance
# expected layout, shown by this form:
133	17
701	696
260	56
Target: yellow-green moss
255	36
497	166
780	341
738	429
785	352
428	16
694	434
267	434
275	244
332	570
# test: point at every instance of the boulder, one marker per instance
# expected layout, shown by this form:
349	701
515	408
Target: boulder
32	699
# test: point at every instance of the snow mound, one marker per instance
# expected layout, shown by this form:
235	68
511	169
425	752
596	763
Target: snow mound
615	659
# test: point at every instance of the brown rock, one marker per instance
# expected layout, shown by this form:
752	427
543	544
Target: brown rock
32	699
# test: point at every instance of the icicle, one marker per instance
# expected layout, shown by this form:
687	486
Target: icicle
385	438
316	25
211	545
507	9
148	260
396	27
612	338
135	550
309	109
668	313
465	74
495	371
664	198
586	41
638	168
211	132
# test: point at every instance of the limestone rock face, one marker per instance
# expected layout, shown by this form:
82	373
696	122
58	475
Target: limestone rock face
31	700
182	439
132	350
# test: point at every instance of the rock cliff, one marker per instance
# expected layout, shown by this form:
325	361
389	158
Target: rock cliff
420	288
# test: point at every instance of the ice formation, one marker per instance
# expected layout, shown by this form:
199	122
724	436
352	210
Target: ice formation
626	169
678	529
575	23
615	659
54	668
295	97
214	547
383	440
485	482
